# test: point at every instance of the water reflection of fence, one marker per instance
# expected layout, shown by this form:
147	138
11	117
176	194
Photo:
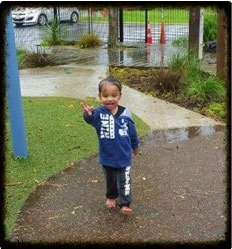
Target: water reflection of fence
179	134
156	55
137	55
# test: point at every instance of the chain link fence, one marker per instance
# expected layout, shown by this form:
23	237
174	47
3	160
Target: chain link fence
132	26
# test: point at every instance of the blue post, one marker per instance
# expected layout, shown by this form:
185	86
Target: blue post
14	93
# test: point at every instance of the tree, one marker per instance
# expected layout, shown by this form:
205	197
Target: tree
113	26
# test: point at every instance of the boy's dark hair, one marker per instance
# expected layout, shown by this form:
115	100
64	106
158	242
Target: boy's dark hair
109	80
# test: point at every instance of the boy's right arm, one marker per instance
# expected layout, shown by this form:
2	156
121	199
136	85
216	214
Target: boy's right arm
88	109
88	112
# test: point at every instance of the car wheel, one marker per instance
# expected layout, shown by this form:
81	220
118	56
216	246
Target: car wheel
74	17
42	20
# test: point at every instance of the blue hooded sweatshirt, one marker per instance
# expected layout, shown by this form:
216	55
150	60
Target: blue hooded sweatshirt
117	136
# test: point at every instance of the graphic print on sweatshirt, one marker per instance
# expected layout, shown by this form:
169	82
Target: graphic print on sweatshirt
108	127
123	128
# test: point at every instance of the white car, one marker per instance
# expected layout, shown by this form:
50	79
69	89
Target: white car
42	16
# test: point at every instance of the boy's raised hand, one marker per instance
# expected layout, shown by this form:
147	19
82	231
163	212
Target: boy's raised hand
88	109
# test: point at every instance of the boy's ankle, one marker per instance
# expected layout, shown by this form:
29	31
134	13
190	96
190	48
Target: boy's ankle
111	203
126	210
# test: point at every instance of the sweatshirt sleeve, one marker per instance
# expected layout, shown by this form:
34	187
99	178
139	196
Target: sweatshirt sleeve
89	119
133	135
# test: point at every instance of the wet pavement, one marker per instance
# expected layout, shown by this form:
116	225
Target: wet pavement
179	196
179	179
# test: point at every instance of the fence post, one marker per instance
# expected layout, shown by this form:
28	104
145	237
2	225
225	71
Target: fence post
121	24
146	25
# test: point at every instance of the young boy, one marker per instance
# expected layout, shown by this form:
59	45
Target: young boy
118	141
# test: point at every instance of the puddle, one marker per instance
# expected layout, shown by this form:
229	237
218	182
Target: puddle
179	134
125	55
155	55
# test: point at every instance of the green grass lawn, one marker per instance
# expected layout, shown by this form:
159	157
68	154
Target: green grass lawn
171	15
57	137
155	15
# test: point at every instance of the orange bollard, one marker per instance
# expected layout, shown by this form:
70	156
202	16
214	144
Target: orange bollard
162	34
149	36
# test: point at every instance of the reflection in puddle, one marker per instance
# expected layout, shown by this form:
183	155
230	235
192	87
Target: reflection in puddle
142	55
136	55
173	135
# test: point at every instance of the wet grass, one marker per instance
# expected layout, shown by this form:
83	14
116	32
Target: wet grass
57	137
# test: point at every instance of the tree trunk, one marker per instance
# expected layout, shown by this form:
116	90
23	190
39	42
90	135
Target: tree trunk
222	46
113	26
194	23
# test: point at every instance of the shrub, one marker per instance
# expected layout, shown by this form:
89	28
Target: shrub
210	25
208	89
178	61
21	54
37	59
89	40
218	108
181	42
168	80
158	81
52	34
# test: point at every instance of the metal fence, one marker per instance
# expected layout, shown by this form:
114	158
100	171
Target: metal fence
134	24
132	28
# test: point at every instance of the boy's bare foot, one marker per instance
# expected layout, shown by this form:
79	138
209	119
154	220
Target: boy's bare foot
111	203
126	210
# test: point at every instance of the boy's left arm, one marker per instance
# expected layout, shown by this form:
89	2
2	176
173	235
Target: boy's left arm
134	138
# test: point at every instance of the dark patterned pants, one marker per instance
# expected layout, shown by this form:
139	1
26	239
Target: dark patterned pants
118	184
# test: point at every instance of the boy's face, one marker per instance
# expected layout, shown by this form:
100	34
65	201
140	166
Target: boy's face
109	97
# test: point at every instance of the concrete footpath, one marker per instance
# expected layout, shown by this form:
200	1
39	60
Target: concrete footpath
178	180
81	81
